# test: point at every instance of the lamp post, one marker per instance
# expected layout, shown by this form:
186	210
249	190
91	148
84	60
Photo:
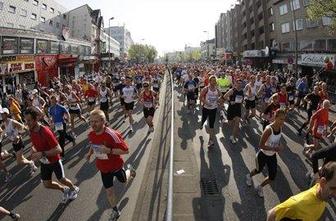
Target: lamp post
207	43
109	41
296	38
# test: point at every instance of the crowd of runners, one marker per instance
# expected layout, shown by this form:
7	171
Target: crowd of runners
49	115
232	97
224	95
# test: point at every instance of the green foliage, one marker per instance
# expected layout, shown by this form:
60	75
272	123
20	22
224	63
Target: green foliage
142	53
323	8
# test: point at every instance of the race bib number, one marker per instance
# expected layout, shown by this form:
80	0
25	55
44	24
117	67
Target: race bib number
148	104
291	98
98	154
103	100
273	90
44	160
282	106
191	87
321	129
91	99
59	126
212	100
238	99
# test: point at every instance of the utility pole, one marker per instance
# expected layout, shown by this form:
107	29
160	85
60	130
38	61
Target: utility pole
109	41
296	38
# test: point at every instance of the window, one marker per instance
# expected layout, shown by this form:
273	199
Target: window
54	47
64	16
23	12
33	16
26	46
295	4
299	24
270	11
42	46
35	2
306	2
44	6
1	5
52	10
22	27
283	9
320	45
285	28
57	24
312	23
331	45
261	30
272	27
9	45
12	9
10	25
326	21
43	19
51	23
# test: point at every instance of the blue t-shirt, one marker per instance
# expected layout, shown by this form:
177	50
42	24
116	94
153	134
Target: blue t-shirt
57	112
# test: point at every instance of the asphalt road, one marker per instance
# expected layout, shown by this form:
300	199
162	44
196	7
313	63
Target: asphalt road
213	183
27	195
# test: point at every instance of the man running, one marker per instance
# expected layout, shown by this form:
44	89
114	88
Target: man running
250	99
310	204
104	96
148	99
47	150
91	94
108	146
129	95
189	89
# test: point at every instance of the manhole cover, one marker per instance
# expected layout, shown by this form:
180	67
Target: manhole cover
209	186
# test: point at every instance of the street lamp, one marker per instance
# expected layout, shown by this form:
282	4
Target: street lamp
109	41
207	43
296	37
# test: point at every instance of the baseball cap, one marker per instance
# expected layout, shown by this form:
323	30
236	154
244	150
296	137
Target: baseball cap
4	110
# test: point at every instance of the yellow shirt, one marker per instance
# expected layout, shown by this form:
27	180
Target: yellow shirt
304	206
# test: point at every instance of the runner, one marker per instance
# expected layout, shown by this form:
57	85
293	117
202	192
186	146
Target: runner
58	114
268	114
209	99
250	92
11	214
224	84
4	155
318	126
47	150
12	129
91	94
310	204
189	89
235	97
104	96
283	97
108	146
148	99
270	144
129	94
291	93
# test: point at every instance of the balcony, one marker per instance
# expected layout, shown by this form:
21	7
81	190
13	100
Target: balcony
260	9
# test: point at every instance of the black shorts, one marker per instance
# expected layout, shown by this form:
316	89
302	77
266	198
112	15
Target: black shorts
233	111
122	101
138	86
148	111
107	178
48	169
271	162
156	89
77	111
191	96
129	106
104	106
18	146
250	104
90	103
209	114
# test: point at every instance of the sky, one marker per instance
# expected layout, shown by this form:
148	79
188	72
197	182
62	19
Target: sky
168	25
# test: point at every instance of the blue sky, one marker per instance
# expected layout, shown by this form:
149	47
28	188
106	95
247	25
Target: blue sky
166	24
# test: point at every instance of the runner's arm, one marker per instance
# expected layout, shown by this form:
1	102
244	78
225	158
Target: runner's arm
271	215
322	154
228	94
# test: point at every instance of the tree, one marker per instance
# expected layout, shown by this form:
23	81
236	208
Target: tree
142	53
323	8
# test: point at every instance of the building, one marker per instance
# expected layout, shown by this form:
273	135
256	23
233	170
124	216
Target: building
208	49
123	36
314	41
44	16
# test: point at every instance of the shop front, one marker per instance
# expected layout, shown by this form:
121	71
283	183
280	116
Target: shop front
257	58
16	70
67	64
86	64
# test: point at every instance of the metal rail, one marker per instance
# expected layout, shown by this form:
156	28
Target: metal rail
169	213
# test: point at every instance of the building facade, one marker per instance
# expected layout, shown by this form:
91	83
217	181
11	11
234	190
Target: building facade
208	49
123	36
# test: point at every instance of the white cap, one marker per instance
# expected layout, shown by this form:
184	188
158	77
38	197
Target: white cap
34	91
4	110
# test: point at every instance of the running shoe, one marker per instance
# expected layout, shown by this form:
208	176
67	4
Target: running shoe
114	215
66	193
132	170
33	168
14	215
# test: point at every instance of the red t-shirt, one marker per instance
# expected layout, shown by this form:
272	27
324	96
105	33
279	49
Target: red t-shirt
45	140
321	121
111	139
91	93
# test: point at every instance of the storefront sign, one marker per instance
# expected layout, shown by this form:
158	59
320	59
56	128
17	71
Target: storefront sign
316	60
16	64
15	67
28	66
26	46
253	54
46	68
9	45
